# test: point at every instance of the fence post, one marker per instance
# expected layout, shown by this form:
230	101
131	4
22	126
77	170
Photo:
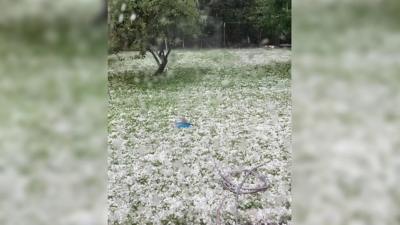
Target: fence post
224	35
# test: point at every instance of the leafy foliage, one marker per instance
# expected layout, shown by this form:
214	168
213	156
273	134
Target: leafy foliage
274	16
267	18
197	23
142	24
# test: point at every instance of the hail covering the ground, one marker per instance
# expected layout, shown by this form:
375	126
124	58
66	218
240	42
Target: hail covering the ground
239	102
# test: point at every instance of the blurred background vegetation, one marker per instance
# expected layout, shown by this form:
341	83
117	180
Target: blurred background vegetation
345	91
221	23
53	112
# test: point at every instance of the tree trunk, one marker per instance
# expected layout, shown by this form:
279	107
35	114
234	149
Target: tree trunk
160	56
162	66
161	59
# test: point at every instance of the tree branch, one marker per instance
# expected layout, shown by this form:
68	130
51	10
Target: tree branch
154	55
169	51
161	53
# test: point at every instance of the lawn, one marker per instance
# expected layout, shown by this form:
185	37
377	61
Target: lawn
239	102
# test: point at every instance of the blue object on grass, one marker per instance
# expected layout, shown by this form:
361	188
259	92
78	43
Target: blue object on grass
183	123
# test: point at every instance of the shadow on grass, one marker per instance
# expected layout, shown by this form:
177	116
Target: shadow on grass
277	69
174	78
180	77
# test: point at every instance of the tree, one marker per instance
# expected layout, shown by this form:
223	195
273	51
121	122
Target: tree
249	20
274	17
233	14
152	26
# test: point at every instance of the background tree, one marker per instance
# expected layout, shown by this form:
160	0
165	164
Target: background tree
153	26
233	14
248	22
196	23
273	17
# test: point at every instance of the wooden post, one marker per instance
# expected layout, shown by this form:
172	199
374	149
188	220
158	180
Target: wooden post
224	35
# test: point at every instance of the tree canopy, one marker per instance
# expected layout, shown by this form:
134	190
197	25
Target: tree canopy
152	26
141	24
272	16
